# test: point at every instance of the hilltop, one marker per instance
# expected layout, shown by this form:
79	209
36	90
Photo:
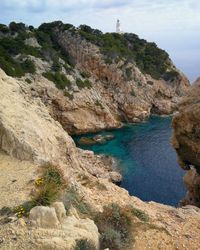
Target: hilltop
103	79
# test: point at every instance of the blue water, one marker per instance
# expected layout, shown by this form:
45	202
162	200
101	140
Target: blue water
147	161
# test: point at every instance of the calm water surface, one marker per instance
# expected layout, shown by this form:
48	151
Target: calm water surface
147	161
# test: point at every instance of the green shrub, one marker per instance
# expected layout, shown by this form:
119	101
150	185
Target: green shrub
5	211
140	214
84	244
4	28
17	27
171	75
128	74
28	66
133	93
58	78
67	94
28	80
83	84
72	198
56	66
114	225
49	186
85	74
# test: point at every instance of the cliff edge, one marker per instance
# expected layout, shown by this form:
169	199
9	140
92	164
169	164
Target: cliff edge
187	143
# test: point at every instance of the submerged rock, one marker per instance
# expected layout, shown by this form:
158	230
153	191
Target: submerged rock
96	139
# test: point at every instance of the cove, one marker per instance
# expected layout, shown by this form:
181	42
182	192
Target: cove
146	159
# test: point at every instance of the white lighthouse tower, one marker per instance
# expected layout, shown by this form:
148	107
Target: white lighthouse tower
118	27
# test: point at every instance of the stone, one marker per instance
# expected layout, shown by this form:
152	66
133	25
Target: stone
86	141
186	129
60	210
44	217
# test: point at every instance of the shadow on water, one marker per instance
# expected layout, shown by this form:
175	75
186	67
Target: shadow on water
146	159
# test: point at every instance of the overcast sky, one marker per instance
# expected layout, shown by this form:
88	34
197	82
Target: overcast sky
173	24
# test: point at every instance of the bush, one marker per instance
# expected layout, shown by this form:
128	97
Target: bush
72	198
56	66
49	186
84	245
114	225
171	75
67	94
133	93
28	80
58	78
17	27
4	28
128	74
83	84
85	74
140	214
28	66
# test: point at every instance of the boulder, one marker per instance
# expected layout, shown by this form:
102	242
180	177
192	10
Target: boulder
60	210
44	217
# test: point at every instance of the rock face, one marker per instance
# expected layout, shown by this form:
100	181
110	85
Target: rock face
186	141
105	79
120	99
26	129
28	132
71	228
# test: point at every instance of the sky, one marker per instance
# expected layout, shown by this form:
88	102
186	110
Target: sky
173	24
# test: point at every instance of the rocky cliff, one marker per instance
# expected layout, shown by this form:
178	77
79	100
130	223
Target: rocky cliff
103	79
30	134
64	79
186	142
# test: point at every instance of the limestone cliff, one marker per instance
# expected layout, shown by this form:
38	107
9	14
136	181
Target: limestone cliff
103	79
186	141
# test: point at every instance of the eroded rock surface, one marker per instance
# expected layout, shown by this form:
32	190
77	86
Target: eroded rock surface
186	141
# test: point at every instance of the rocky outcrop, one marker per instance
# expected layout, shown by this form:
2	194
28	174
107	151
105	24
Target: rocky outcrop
186	141
72	228
28	132
131	99
104	79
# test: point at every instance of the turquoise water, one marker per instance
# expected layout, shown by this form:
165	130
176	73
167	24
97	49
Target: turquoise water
147	161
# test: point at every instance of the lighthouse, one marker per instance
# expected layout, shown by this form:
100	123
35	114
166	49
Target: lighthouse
118	27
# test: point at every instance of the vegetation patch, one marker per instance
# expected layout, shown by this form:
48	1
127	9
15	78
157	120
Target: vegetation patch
85	74
28	80
83	84
140	214
133	93
68	95
73	198
58	78
84	244
148	57
128	74
115	227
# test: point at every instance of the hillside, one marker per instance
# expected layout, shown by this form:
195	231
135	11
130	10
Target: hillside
100	80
